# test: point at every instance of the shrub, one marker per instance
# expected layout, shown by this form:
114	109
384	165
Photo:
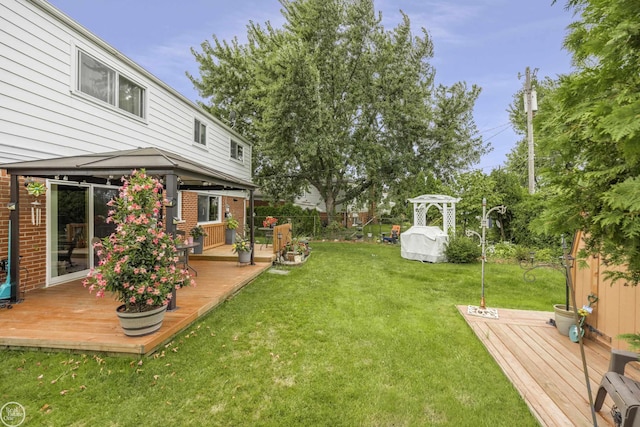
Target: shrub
462	250
502	250
522	253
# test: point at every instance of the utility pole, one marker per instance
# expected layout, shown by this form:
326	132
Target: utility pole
530	104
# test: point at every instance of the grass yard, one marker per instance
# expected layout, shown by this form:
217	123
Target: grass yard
357	336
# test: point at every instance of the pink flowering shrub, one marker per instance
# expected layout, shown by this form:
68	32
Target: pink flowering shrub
138	260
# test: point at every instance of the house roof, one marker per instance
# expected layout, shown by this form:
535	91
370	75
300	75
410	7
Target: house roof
98	167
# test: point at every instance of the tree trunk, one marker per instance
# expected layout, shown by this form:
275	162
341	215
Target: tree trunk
329	202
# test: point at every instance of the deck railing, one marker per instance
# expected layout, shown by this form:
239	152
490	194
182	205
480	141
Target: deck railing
215	235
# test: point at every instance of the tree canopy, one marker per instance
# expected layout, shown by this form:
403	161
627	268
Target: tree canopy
589	129
334	100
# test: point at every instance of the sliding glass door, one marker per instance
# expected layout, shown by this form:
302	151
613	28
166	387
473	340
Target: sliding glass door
68	231
78	212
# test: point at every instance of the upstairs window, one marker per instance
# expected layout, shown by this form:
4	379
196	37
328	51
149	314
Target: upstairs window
236	151
130	96
199	132
107	85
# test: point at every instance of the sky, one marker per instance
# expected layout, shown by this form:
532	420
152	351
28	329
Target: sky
489	43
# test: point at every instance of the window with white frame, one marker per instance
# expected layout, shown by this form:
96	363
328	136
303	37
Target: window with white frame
208	208
199	132
180	205
237	151
108	85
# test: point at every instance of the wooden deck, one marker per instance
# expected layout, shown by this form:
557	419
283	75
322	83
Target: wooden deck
546	367
67	317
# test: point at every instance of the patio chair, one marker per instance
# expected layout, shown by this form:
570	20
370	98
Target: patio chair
65	250
395	235
624	391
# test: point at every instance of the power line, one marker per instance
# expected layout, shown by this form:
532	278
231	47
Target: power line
496	134
493	128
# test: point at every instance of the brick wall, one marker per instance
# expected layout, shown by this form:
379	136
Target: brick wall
32	237
237	209
190	210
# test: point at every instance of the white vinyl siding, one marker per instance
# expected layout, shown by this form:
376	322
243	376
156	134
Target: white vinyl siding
44	113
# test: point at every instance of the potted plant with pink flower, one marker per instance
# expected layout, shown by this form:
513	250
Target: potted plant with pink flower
269	221
138	261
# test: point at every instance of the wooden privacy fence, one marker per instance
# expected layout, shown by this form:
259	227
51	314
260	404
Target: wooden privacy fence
281	236
618	308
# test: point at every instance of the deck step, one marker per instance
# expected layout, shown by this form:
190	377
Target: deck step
225	253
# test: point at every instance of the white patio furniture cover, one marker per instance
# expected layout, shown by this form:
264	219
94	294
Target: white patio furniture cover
426	243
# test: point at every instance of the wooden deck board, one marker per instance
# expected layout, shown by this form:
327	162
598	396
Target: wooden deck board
544	366
67	317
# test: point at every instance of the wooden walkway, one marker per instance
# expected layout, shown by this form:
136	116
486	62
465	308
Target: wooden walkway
67	317
544	366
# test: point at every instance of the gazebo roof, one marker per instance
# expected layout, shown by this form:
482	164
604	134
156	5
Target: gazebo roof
434	198
115	164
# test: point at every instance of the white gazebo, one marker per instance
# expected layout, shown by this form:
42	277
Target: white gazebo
428	243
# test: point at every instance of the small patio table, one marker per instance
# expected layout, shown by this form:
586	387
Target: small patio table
186	248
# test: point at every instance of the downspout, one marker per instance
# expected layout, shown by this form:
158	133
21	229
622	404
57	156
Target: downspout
14	233
171	209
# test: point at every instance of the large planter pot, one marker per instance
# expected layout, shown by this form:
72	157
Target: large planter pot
229	236
294	257
244	257
198	249
564	318
139	324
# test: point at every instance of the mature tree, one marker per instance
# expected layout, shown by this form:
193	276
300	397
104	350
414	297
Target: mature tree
590	130
334	100
471	188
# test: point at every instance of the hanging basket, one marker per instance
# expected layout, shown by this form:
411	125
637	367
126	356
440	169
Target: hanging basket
36	189
142	323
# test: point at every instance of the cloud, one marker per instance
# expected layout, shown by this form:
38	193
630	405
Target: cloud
170	58
443	20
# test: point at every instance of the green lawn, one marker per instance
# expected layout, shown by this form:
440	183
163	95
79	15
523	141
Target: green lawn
357	336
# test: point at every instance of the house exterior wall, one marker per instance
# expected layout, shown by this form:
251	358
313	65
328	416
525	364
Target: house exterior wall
311	199
43	115
32	237
190	210
618	308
